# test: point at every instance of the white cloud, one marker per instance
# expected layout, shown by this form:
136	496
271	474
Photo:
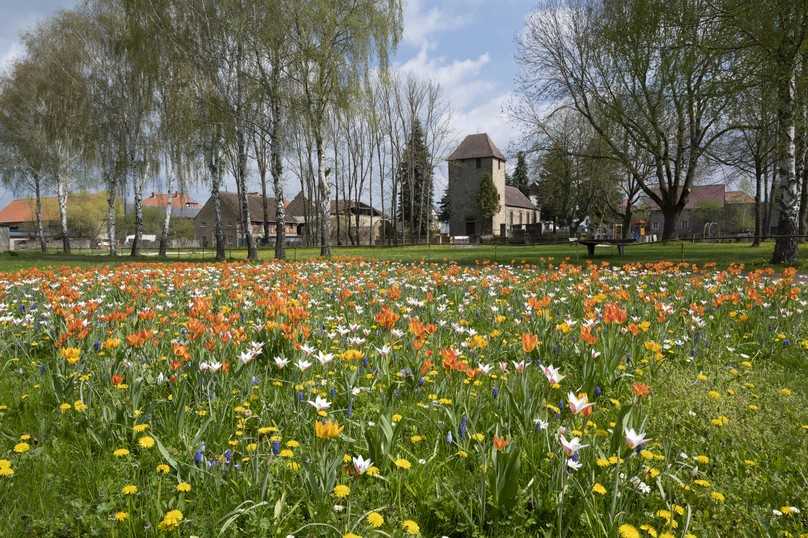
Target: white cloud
421	22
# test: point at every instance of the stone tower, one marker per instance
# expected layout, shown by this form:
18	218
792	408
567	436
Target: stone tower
475	156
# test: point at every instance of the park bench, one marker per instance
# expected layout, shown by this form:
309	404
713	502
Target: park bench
590	244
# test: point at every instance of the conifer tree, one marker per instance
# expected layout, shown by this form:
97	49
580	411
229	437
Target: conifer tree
415	178
519	179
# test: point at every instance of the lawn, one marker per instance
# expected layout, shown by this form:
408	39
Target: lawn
722	254
352	399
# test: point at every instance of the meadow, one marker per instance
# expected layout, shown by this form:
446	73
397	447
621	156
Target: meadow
358	398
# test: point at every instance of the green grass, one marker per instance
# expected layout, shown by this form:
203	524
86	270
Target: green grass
722	254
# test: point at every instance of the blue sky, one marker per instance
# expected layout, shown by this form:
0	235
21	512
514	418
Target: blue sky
466	45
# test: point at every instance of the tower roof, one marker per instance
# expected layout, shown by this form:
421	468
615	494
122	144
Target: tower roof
476	146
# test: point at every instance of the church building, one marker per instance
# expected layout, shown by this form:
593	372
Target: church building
475	157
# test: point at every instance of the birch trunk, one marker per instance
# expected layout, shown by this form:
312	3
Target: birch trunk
61	195
785	247
166	223
112	196
138	188
40	229
216	181
277	187
325	199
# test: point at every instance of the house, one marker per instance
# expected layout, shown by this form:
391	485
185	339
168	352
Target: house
205	220
86	214
474	158
178	200
348	212
711	211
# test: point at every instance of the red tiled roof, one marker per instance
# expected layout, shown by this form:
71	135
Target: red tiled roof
739	197
160	199
18	211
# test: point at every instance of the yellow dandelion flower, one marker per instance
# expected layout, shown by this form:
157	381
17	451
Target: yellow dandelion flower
121	516
171	520
120	452
22	448
410	527
183	487
129	489
375	520
628	531
341	491
599	489
402	463
146	442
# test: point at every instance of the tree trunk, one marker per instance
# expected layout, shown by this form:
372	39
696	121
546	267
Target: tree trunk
627	220
325	199
40	229
166	226
277	182
262	172
241	172
803	217
758	215
138	188
112	196
61	195
670	218
216	180
785	247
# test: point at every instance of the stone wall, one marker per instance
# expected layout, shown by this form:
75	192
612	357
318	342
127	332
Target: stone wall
464	195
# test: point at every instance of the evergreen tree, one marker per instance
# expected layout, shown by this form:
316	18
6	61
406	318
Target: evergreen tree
519	178
415	178
489	201
443	207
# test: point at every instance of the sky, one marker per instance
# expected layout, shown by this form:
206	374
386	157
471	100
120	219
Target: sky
466	45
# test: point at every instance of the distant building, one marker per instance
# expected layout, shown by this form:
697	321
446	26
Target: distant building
476	156
205	220
178	200
346	211
711	211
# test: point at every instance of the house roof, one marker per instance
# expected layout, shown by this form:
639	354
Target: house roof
230	202
700	196
738	197
160	199
297	207
515	198
185	212
17	211
476	146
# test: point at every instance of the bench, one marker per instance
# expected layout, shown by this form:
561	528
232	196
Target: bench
590	244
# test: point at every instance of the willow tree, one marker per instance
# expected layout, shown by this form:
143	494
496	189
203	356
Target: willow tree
22	139
335	44
55	54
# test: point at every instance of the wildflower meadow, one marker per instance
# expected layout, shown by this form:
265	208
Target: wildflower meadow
354	398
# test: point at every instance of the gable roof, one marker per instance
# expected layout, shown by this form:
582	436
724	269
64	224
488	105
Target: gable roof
699	197
17	211
739	197
297	207
476	146
515	198
160	199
